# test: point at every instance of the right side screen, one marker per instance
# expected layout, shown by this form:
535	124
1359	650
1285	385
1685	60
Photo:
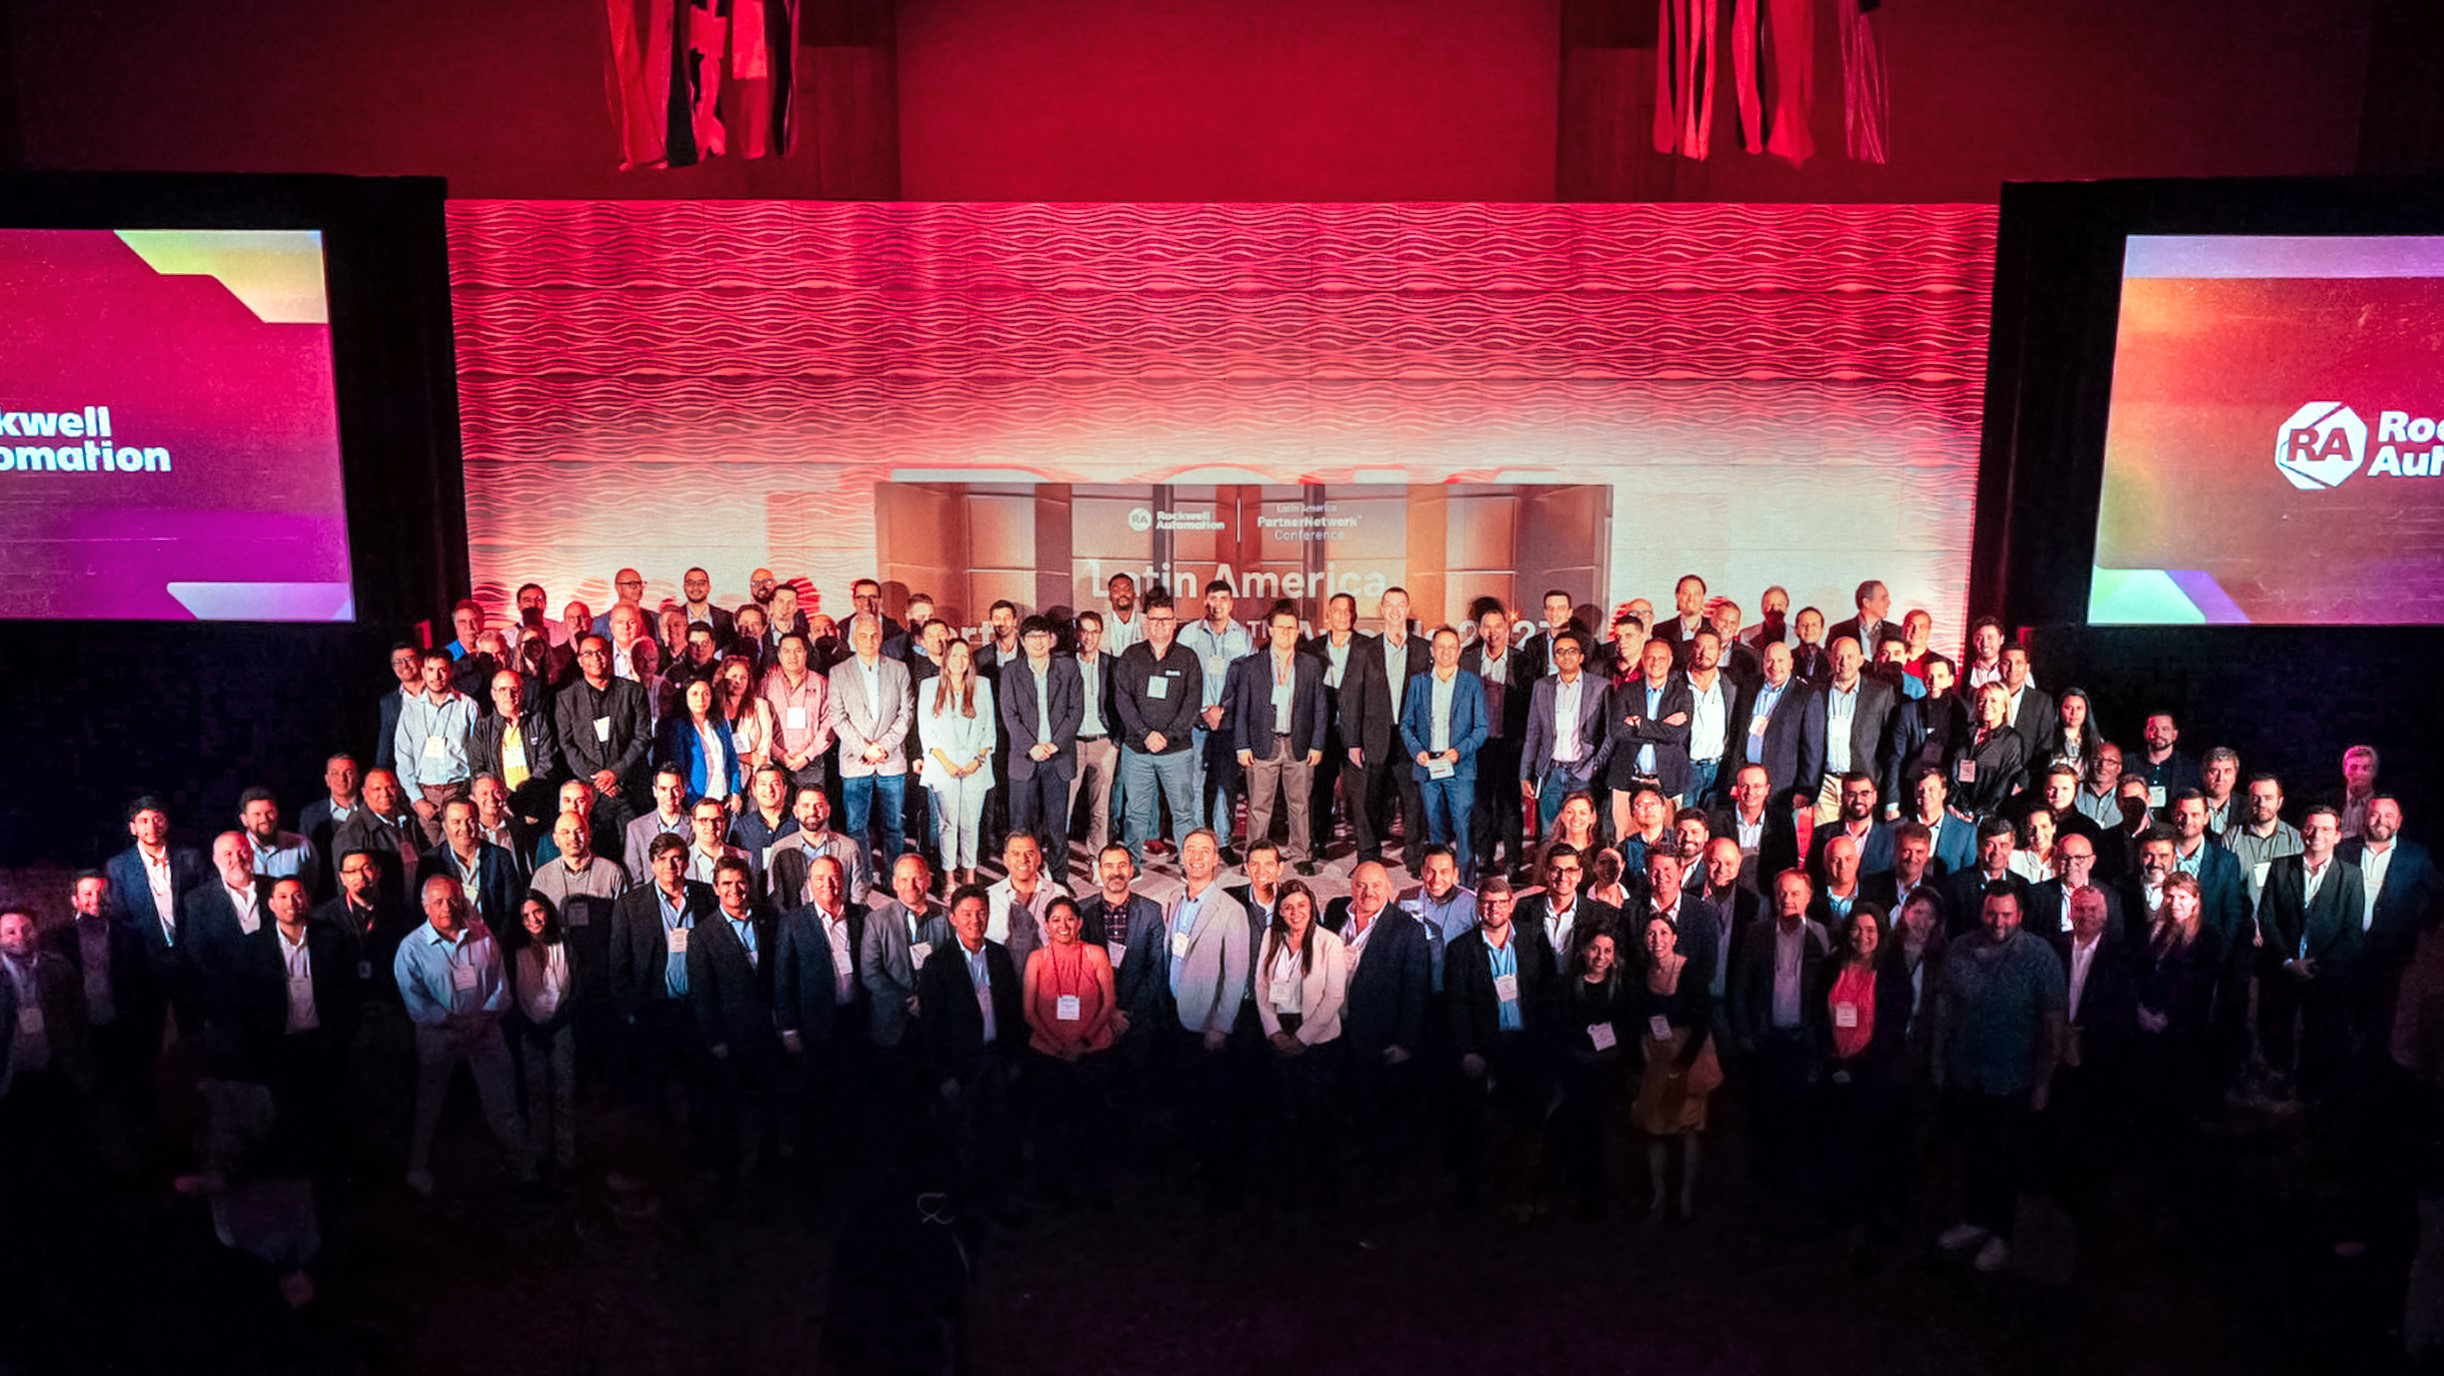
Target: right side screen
2271	455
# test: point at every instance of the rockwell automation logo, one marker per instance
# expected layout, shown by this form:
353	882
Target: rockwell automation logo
2325	442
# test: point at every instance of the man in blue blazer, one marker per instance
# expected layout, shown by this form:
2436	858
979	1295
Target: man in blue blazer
1558	760
1442	725
1383	1015
2313	914
488	873
149	878
1042	699
1275	703
1772	726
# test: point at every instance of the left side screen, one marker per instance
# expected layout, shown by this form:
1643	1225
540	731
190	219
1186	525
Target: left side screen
169	439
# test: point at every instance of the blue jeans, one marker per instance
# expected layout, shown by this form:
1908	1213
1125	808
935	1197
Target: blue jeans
1703	775
1448	802
874	803
1175	775
1555	787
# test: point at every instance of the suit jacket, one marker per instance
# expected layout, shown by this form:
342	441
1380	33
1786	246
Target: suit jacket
1750	993
1140	978
1868	720
2108	1000
262	996
2224	895
1016	701
1528	915
2035	722
887	965
373	939
620	745
1955	841
1995	770
2049	911
805	980
1249	698
1518	676
1386	1001
1924	733
499	888
1543	733
1777	842
2328	931
1468	989
1964	899
1368	722
953	1024
1874	854
859	723
1466	729
1792	748
639	946
400	843
2404	905
732	995
1214	977
1671	742
63	1021
135	996
536	731
131	894
1106	722
1853	628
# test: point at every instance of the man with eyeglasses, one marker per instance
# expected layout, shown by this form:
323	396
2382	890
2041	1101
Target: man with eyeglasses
628	588
1559	916
2049	910
604	731
1159	690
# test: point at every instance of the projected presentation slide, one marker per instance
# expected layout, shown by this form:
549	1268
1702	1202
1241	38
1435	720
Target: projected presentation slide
169	447
2272	456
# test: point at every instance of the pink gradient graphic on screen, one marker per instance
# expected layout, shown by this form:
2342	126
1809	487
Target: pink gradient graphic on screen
1775	394
2213	510
246	519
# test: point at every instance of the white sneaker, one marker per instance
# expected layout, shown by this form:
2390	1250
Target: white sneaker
1961	1235
1993	1257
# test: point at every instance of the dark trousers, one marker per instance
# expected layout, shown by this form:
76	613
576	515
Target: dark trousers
2320	1008
1200	1083
1302	1090
663	1076
1496	1117
1066	1120
1992	1133
1578	1137
1781	1104
1320	811
1497	819
741	1083
309	1083
1039	805
1380	786
974	1119
1864	1135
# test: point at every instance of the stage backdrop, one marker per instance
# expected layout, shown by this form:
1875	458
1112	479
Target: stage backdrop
984	401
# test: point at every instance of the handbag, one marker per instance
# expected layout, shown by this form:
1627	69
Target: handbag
1706	1073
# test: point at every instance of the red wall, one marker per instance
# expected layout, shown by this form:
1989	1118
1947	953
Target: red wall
1203	99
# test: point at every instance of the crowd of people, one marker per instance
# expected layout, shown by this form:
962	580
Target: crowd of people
708	885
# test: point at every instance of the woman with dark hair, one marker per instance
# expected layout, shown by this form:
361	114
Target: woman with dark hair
745	712
1604	878
956	724
1302	975
2032	855
547	1032
2072	737
1675	1017
2173	1045
1985	766
1592	1018
1864	1069
696	742
1067	988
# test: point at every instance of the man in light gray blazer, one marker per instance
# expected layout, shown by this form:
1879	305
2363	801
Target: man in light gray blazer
1204	955
887	953
1042	700
871	710
1553	764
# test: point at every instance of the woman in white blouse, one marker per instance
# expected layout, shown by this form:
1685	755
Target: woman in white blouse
547	1034
1302	973
2034	860
955	725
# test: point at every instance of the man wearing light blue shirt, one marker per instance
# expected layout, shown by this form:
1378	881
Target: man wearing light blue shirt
455	986
1217	641
1445	909
431	744
277	854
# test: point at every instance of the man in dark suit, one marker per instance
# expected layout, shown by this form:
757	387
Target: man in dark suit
2032	714
1098	752
1687	619
1772	727
697	586
1849	714
1496	820
819	996
123	1005
1857	820
2222	888
1776	1020
1561	915
1559	758
517	742
321	819
386	827
1925	730
1951	834
974	1027
2049	904
1383	1014
1648	721
407	666
149	882
1500	994
652	927
2313	914
1964	891
1874	602
216	917
729	985
2398	878
1042	732
487	873
1735	901
1332	647
1275	703
46	1065
1913	872
299	996
1382	668
2086	1103
604	731
1757	821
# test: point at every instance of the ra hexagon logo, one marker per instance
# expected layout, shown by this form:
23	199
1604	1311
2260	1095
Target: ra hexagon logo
1142	520
2323	443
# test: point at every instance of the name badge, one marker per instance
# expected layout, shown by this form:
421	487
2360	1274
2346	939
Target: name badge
513	756
1065	1008
2155	795
462	977
434	749
581	915
1179	944
1659	1027
1506	988
1441	769
1118	950
1845	1015
794	719
29	1022
678	940
2258	873
1158	687
1600	1033
1756	726
918	952
364	969
1968	770
739	741
602	729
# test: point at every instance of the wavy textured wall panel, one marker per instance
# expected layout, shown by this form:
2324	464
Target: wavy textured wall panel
1777	393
